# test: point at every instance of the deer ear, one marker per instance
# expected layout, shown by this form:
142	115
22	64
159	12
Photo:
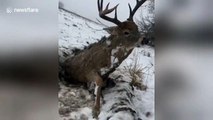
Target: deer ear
109	29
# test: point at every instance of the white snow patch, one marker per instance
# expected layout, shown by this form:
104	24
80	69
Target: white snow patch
114	60
108	42
104	70
83	113
122	116
96	90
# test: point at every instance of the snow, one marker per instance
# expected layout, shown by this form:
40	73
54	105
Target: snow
96	89
71	28
108	43
144	100
75	103
84	114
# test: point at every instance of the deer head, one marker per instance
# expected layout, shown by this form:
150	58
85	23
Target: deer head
126	32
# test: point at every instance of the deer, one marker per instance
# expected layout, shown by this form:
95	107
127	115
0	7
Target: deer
103	57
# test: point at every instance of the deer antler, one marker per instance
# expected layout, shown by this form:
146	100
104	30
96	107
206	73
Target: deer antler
132	12
103	13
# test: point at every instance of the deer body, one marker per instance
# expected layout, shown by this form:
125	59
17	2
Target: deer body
90	64
105	53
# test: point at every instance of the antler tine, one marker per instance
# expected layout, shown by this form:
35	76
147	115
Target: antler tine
100	6
132	12
116	12
103	13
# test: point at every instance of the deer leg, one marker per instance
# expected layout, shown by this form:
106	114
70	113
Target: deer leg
98	85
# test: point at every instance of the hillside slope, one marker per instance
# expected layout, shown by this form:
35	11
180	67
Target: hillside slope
75	102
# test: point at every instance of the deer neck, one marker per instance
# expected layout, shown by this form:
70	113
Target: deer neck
115	43
119	51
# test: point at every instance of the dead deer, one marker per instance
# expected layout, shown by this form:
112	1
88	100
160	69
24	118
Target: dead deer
92	63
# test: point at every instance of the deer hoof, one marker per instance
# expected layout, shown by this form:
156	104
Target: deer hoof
95	112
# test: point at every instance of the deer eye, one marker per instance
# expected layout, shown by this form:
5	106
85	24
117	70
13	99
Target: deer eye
126	33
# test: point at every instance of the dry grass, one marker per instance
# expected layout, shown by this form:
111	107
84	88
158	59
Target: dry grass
135	72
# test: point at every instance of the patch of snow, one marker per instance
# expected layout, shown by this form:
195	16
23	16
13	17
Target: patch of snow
108	42
96	90
114	60
114	50
104	70
82	114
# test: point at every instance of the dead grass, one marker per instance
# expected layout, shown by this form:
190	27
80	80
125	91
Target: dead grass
135	72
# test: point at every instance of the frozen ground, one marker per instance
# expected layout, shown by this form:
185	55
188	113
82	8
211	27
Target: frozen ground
121	102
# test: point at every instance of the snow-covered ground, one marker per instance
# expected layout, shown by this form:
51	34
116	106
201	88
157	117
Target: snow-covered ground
75	102
76	32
